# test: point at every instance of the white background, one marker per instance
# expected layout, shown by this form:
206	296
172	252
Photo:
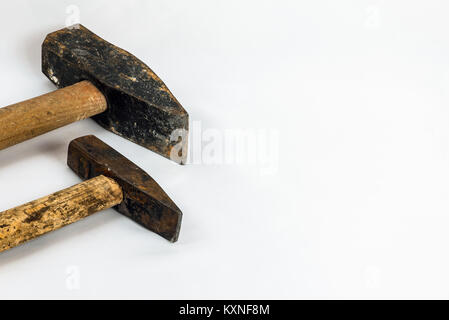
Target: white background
358	92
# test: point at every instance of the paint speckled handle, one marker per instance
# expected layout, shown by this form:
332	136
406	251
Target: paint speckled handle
55	211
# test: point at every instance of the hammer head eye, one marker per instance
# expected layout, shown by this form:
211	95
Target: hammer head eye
140	107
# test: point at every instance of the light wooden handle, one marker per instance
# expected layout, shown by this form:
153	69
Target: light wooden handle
55	211
31	118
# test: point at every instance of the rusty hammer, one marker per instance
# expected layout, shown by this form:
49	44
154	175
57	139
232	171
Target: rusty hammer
112	181
101	81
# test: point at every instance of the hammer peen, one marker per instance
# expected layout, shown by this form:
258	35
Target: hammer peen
112	181
101	81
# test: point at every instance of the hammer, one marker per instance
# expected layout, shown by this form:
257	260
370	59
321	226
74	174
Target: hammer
101	81
111	181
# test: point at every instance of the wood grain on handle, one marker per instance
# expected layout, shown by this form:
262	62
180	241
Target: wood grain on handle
31	118
52	212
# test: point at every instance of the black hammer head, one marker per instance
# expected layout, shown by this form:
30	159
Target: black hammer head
140	106
144	201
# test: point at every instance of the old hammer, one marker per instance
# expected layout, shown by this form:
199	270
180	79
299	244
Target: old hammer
101	81
112	181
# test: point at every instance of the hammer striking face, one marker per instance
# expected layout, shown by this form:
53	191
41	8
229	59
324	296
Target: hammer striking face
106	83
111	181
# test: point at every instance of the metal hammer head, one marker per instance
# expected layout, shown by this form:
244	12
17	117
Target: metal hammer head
140	106
144	201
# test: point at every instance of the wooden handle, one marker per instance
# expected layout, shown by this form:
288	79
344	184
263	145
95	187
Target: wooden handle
55	211
31	118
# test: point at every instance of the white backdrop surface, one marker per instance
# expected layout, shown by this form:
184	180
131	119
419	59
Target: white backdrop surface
345	105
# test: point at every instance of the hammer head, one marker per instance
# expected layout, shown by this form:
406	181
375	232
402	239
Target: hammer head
144	201
140	106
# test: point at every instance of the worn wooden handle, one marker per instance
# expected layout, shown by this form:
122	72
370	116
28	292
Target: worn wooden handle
31	118
55	211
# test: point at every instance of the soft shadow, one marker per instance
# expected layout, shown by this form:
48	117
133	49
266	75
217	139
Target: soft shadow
30	149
